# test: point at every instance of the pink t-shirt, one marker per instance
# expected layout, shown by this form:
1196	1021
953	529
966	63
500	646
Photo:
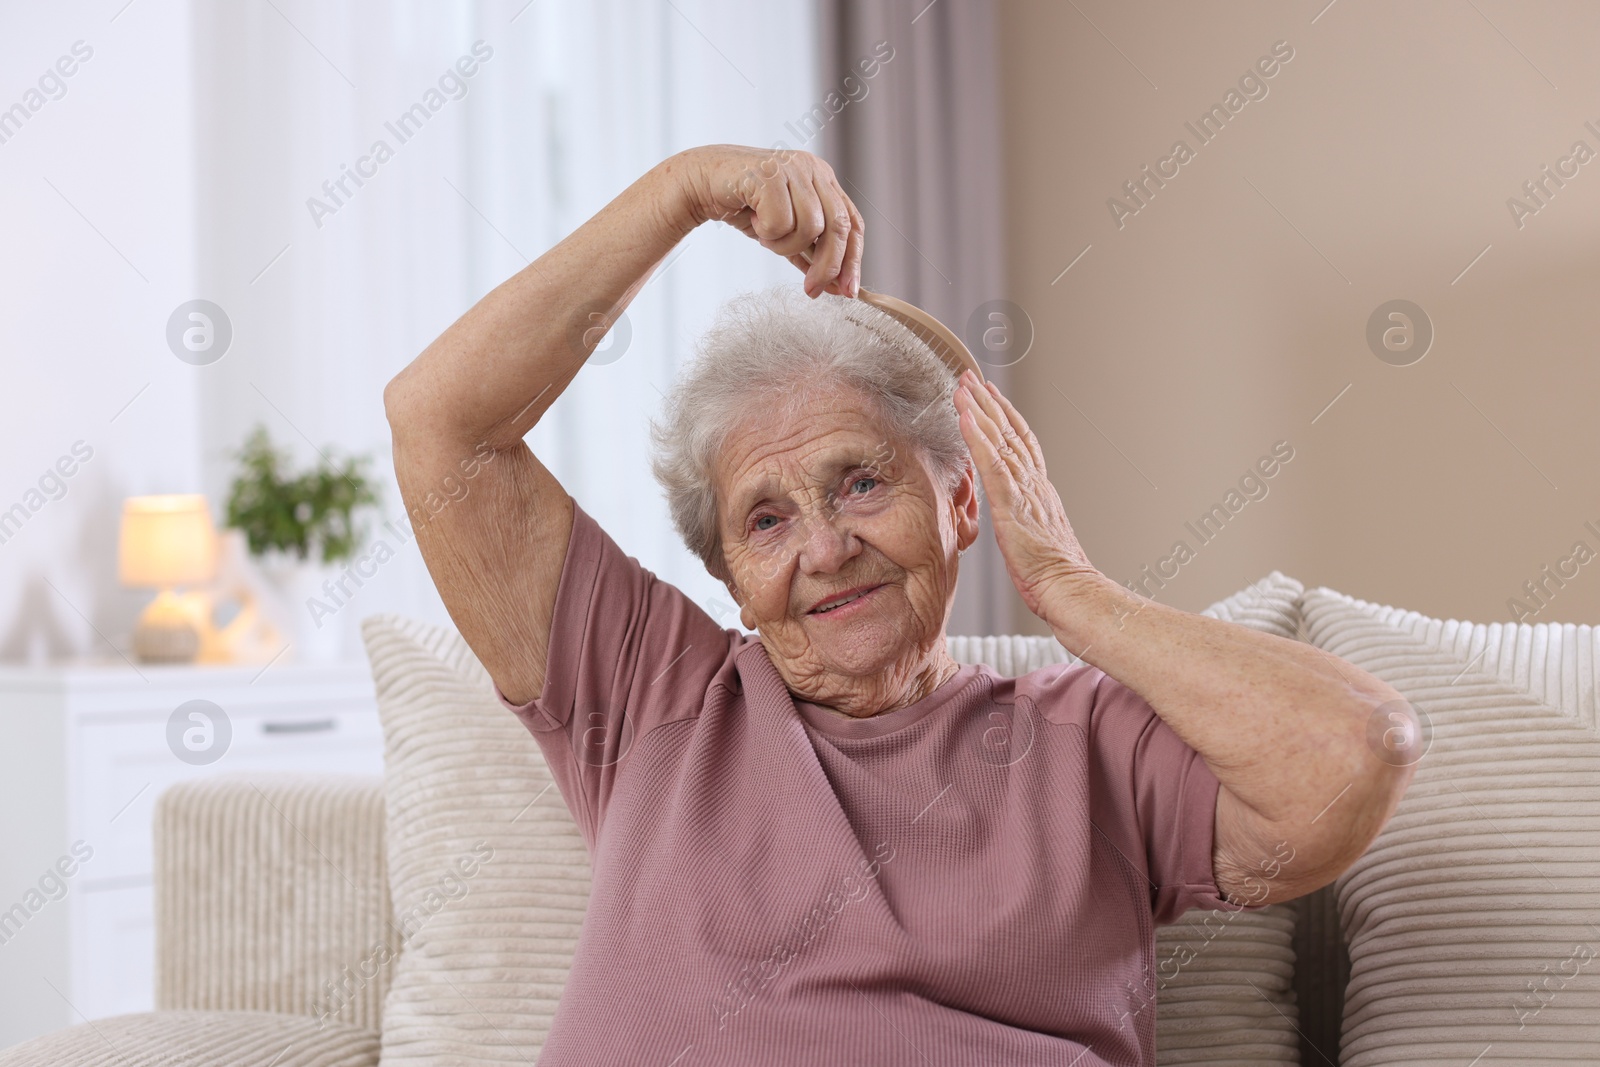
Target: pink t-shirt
973	879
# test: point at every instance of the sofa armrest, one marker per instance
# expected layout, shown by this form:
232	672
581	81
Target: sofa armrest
271	894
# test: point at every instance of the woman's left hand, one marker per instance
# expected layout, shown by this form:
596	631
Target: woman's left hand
1030	524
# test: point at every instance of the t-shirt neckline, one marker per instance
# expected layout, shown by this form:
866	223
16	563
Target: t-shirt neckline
832	723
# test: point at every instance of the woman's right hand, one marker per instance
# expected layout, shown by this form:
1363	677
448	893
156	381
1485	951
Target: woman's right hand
790	201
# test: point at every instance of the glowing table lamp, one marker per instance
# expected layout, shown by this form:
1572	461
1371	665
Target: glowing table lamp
166	542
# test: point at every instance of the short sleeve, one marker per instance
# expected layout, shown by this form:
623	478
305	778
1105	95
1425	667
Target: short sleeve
1173	797
628	652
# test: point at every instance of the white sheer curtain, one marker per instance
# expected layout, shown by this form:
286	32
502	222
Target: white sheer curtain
574	103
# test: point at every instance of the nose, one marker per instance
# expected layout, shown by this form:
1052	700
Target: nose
826	542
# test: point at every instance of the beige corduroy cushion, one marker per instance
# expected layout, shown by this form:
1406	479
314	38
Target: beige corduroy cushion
1224	990
200	1039
488	872
1472	917
270	896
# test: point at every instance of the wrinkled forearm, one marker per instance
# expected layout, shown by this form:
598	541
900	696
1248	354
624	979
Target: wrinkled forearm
1282	724
494	372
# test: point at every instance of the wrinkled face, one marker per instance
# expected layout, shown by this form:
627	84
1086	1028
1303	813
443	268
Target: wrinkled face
826	505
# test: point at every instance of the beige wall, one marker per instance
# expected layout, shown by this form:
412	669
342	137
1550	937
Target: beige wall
1207	328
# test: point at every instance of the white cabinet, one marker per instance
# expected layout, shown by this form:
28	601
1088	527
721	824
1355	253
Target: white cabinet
84	752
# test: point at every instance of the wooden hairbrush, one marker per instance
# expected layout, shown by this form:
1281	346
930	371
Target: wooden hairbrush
943	341
936	335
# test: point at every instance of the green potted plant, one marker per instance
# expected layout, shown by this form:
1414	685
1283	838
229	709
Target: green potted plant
301	528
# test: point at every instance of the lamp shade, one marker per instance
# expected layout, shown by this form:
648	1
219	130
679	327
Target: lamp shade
166	541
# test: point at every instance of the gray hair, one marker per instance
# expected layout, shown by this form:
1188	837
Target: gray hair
768	351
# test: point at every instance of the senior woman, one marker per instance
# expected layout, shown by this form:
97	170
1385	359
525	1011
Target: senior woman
829	842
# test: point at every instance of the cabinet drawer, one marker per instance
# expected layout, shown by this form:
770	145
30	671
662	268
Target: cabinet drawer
125	765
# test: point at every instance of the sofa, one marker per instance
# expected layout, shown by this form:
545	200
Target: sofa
430	915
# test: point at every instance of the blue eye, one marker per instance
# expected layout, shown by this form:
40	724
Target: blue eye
763	519
858	481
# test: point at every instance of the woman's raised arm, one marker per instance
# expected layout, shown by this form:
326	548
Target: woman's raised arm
491	521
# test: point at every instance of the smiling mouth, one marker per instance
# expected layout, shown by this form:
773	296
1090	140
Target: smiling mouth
840	603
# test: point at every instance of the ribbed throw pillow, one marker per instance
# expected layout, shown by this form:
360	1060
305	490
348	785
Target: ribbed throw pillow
1224	980
1474	919
488	873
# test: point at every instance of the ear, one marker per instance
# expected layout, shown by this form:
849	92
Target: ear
745	618
964	501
